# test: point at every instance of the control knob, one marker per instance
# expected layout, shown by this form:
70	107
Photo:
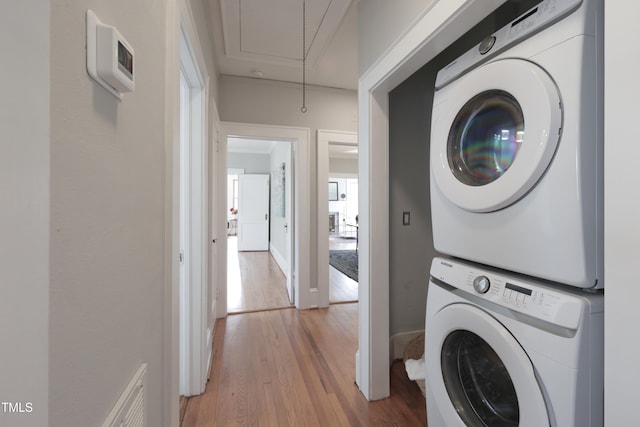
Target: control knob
486	45
481	284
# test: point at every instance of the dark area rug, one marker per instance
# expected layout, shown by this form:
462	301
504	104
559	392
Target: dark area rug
346	262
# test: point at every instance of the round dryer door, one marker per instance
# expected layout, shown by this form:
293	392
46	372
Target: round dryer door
494	133
479	374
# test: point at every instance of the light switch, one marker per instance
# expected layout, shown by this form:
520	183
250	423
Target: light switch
406	218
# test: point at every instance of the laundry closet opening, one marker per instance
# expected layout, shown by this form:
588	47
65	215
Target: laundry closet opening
411	246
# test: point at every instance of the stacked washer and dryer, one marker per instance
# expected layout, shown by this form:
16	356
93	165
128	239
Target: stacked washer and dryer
515	312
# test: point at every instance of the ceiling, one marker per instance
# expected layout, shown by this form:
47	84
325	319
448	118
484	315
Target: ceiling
263	39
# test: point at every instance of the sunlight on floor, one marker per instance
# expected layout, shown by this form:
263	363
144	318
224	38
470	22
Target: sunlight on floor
234	280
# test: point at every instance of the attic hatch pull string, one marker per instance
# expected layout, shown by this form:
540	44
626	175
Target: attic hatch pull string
304	57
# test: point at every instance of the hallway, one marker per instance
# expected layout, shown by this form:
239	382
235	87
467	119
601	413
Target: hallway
297	368
256	283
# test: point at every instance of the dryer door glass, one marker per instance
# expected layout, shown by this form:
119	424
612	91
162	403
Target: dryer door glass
481	158
478	382
485	137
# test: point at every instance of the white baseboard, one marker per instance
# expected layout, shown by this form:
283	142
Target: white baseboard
282	263
399	342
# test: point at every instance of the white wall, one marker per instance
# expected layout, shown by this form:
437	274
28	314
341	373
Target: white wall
341	205
339	166
247	100
622	210
250	162
24	217
108	219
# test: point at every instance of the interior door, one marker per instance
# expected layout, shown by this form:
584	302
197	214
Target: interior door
253	212
290	226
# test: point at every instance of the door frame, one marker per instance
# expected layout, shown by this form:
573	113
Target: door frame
306	295
325	138
181	24
439	25
194	329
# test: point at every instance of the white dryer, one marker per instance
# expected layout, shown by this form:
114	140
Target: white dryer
516	147
503	351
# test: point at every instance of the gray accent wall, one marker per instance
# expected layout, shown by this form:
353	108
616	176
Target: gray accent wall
410	247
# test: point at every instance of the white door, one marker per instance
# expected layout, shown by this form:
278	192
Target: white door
290	225
495	132
253	212
195	316
185	238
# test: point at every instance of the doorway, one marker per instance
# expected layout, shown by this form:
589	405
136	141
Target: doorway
259	217
338	202
305	291
195	309
343	224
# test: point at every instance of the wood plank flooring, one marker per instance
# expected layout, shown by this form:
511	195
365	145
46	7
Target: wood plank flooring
256	283
341	288
296	368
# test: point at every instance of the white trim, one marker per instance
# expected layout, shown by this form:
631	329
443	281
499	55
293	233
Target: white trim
324	137
195	304
440	25
180	20
304	297
278	258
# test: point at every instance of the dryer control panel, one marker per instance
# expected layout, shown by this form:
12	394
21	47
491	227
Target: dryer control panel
535	19
563	308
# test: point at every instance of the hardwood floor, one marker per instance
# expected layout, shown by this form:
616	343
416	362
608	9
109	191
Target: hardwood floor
296	368
341	288
256	283
289	367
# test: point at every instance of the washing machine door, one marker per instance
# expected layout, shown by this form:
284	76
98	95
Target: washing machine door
479	374
494	133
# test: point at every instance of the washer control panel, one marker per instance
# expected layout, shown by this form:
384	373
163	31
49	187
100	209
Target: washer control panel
481	284
535	19
515	293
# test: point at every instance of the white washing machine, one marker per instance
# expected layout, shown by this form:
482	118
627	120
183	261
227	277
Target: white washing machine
503	351
516	147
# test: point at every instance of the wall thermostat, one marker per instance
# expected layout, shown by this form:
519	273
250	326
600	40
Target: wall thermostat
110	59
